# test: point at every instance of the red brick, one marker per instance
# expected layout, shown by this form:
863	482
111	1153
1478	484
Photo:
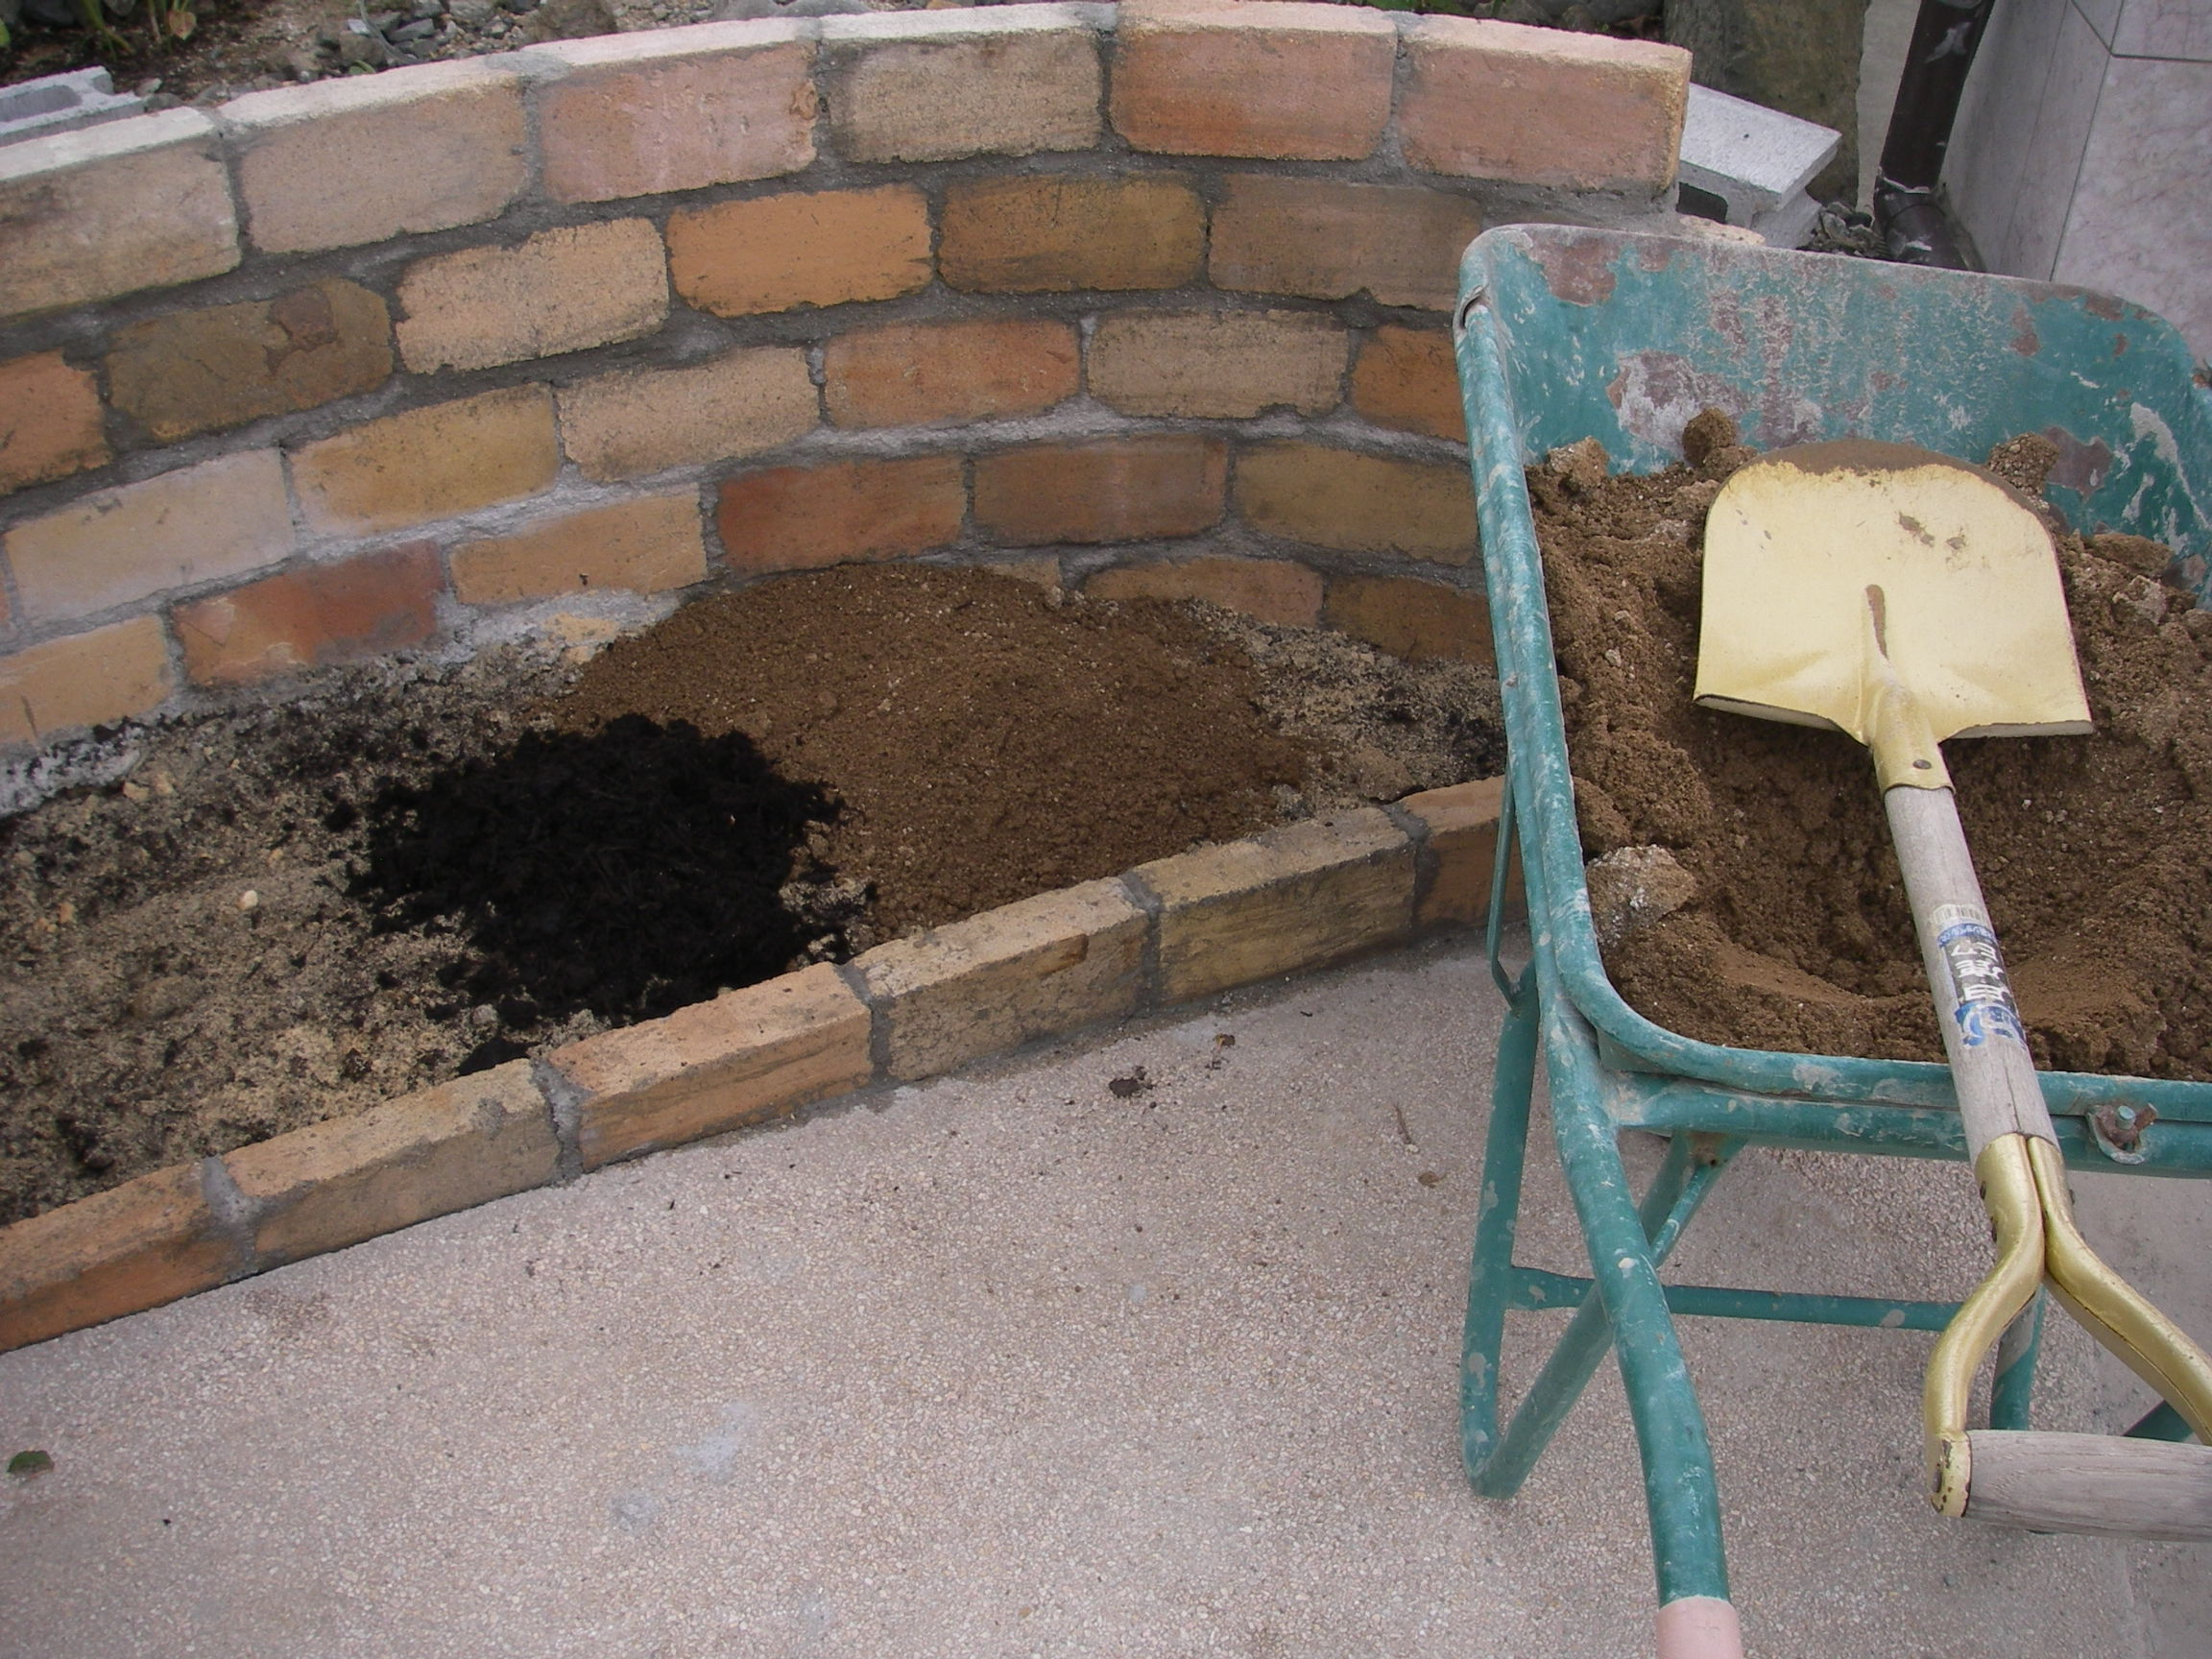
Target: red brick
132	1247
1031	235
1411	618
310	617
746	1057
1114	490
647	545
924	375
1226	78
1328	240
1275	591
1359	503
802	518
808	247
226	365
85	680
1486	100
1405	378
50	421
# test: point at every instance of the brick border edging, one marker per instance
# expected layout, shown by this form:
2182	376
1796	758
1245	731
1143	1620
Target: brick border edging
1294	898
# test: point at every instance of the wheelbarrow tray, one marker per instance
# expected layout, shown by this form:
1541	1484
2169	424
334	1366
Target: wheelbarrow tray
1565	334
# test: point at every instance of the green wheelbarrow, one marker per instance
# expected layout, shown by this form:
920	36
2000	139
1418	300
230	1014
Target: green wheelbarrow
1563	333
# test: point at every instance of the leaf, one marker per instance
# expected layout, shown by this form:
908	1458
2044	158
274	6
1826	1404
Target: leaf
181	23
30	1464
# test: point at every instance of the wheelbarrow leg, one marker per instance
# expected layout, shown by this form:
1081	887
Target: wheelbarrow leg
1490	1278
1680	1491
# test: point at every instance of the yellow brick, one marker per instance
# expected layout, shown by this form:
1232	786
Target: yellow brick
1032	968
744	1058
642	421
1359	503
429	1153
1046	234
646	545
808	247
85	680
1282	903
433	463
1326	240
1275	591
50	421
112	209
222	517
1405	378
1411	618
1223	365
970	83
563	290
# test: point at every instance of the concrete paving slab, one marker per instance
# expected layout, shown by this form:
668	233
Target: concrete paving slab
1144	1345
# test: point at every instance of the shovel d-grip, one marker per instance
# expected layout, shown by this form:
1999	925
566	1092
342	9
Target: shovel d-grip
2045	1482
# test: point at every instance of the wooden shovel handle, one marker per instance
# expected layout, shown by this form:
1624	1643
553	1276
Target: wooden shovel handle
1990	1065
2099	1483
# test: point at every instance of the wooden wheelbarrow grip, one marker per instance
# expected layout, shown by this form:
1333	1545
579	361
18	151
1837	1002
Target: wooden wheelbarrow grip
2096	1483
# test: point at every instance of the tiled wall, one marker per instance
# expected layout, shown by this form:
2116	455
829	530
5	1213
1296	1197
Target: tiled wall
2083	151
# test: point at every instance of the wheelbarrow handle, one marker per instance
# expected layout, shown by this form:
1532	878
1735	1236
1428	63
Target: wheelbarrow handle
1699	1627
2098	1483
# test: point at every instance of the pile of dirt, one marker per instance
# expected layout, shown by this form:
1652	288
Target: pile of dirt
264	917
1769	909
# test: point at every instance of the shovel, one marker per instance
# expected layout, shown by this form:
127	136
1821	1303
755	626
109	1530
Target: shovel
1904	597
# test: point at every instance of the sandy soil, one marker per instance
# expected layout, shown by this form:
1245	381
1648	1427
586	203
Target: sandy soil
274	914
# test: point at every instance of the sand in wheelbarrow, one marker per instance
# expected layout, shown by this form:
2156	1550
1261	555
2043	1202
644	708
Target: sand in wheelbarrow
1742	870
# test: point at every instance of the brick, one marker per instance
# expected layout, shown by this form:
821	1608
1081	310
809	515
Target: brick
1462	842
1405	378
426	464
1293	898
1056	235
222	517
675	110
1000	82
338	163
85	680
803	518
50	421
1416	621
130	1248
924	375
1328	241
1487	99
1358	503
1031	969
563	290
746	1057
1113	490
429	1153
647	546
226	365
112	209
1273	589
642	421
808	247
1225	364
308	618
1300	83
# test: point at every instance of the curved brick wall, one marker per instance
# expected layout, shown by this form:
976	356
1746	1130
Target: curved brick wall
1151	297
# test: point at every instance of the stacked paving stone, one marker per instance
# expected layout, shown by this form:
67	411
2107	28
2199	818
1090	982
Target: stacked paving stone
1154	301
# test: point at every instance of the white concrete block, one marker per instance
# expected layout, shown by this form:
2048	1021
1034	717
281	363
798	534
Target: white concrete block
1752	157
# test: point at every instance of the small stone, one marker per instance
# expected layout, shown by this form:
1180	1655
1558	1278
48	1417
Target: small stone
1632	888
421	29
1580	466
65	913
248	899
1708	431
2024	462
2141	603
136	792
474	13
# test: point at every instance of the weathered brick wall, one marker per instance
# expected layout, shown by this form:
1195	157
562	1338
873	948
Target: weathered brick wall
1156	293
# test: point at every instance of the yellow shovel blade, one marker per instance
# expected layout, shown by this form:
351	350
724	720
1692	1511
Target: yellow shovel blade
1835	570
